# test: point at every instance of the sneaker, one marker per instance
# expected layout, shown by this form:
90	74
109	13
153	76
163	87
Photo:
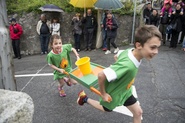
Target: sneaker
116	50
107	52
62	93
42	53
81	98
46	52
78	50
104	49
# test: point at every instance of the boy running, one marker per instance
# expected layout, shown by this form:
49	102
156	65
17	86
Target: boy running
115	81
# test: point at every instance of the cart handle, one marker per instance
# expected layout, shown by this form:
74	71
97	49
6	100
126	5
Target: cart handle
66	73
98	92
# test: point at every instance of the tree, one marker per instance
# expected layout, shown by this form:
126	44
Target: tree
7	80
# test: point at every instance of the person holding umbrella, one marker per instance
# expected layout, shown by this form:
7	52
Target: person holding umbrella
90	24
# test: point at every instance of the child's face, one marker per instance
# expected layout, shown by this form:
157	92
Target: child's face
150	48
57	45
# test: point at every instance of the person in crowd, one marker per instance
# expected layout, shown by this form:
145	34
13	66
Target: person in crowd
59	60
166	7
15	34
115	82
43	29
164	21
111	27
154	18
183	28
176	21
55	27
147	12
90	25
77	30
104	31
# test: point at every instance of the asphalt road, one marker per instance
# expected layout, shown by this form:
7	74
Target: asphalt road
160	86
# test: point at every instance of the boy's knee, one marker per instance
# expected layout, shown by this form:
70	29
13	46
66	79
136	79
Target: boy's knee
138	113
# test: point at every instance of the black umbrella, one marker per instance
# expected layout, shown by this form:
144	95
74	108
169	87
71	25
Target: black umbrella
51	8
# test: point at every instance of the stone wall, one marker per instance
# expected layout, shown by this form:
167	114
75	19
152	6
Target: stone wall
30	43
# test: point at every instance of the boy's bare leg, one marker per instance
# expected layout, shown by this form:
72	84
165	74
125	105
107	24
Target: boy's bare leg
61	82
73	81
95	104
136	111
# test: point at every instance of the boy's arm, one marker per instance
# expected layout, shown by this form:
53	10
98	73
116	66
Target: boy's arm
56	68
76	53
101	81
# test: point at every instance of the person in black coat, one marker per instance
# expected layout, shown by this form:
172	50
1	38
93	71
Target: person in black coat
183	27
176	19
90	25
111	27
147	12
154	18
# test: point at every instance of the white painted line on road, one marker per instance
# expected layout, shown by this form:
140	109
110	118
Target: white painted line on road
30	75
123	109
33	77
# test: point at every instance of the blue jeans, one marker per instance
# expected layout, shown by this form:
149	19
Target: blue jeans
183	44
104	38
77	41
44	41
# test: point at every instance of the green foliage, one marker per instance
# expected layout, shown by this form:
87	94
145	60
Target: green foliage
20	6
127	9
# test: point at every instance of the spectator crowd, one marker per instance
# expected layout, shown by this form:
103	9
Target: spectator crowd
170	20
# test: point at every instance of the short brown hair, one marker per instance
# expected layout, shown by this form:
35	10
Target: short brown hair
53	37
146	32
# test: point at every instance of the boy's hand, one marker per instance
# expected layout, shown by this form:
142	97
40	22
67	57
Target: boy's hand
106	97
77	57
61	70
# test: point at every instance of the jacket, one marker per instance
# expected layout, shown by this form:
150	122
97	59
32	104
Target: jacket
55	28
112	31
77	29
177	18
39	24
15	31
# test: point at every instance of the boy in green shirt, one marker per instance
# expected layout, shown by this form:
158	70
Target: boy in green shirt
115	81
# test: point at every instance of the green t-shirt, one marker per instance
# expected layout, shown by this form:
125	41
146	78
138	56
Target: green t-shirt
119	78
60	59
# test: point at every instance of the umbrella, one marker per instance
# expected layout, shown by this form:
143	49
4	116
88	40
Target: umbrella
108	4
51	8
83	3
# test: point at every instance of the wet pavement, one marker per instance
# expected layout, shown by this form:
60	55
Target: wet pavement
160	86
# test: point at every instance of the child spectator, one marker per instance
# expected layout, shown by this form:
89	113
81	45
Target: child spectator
166	7
59	59
115	81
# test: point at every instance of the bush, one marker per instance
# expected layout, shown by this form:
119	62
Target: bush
20	6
